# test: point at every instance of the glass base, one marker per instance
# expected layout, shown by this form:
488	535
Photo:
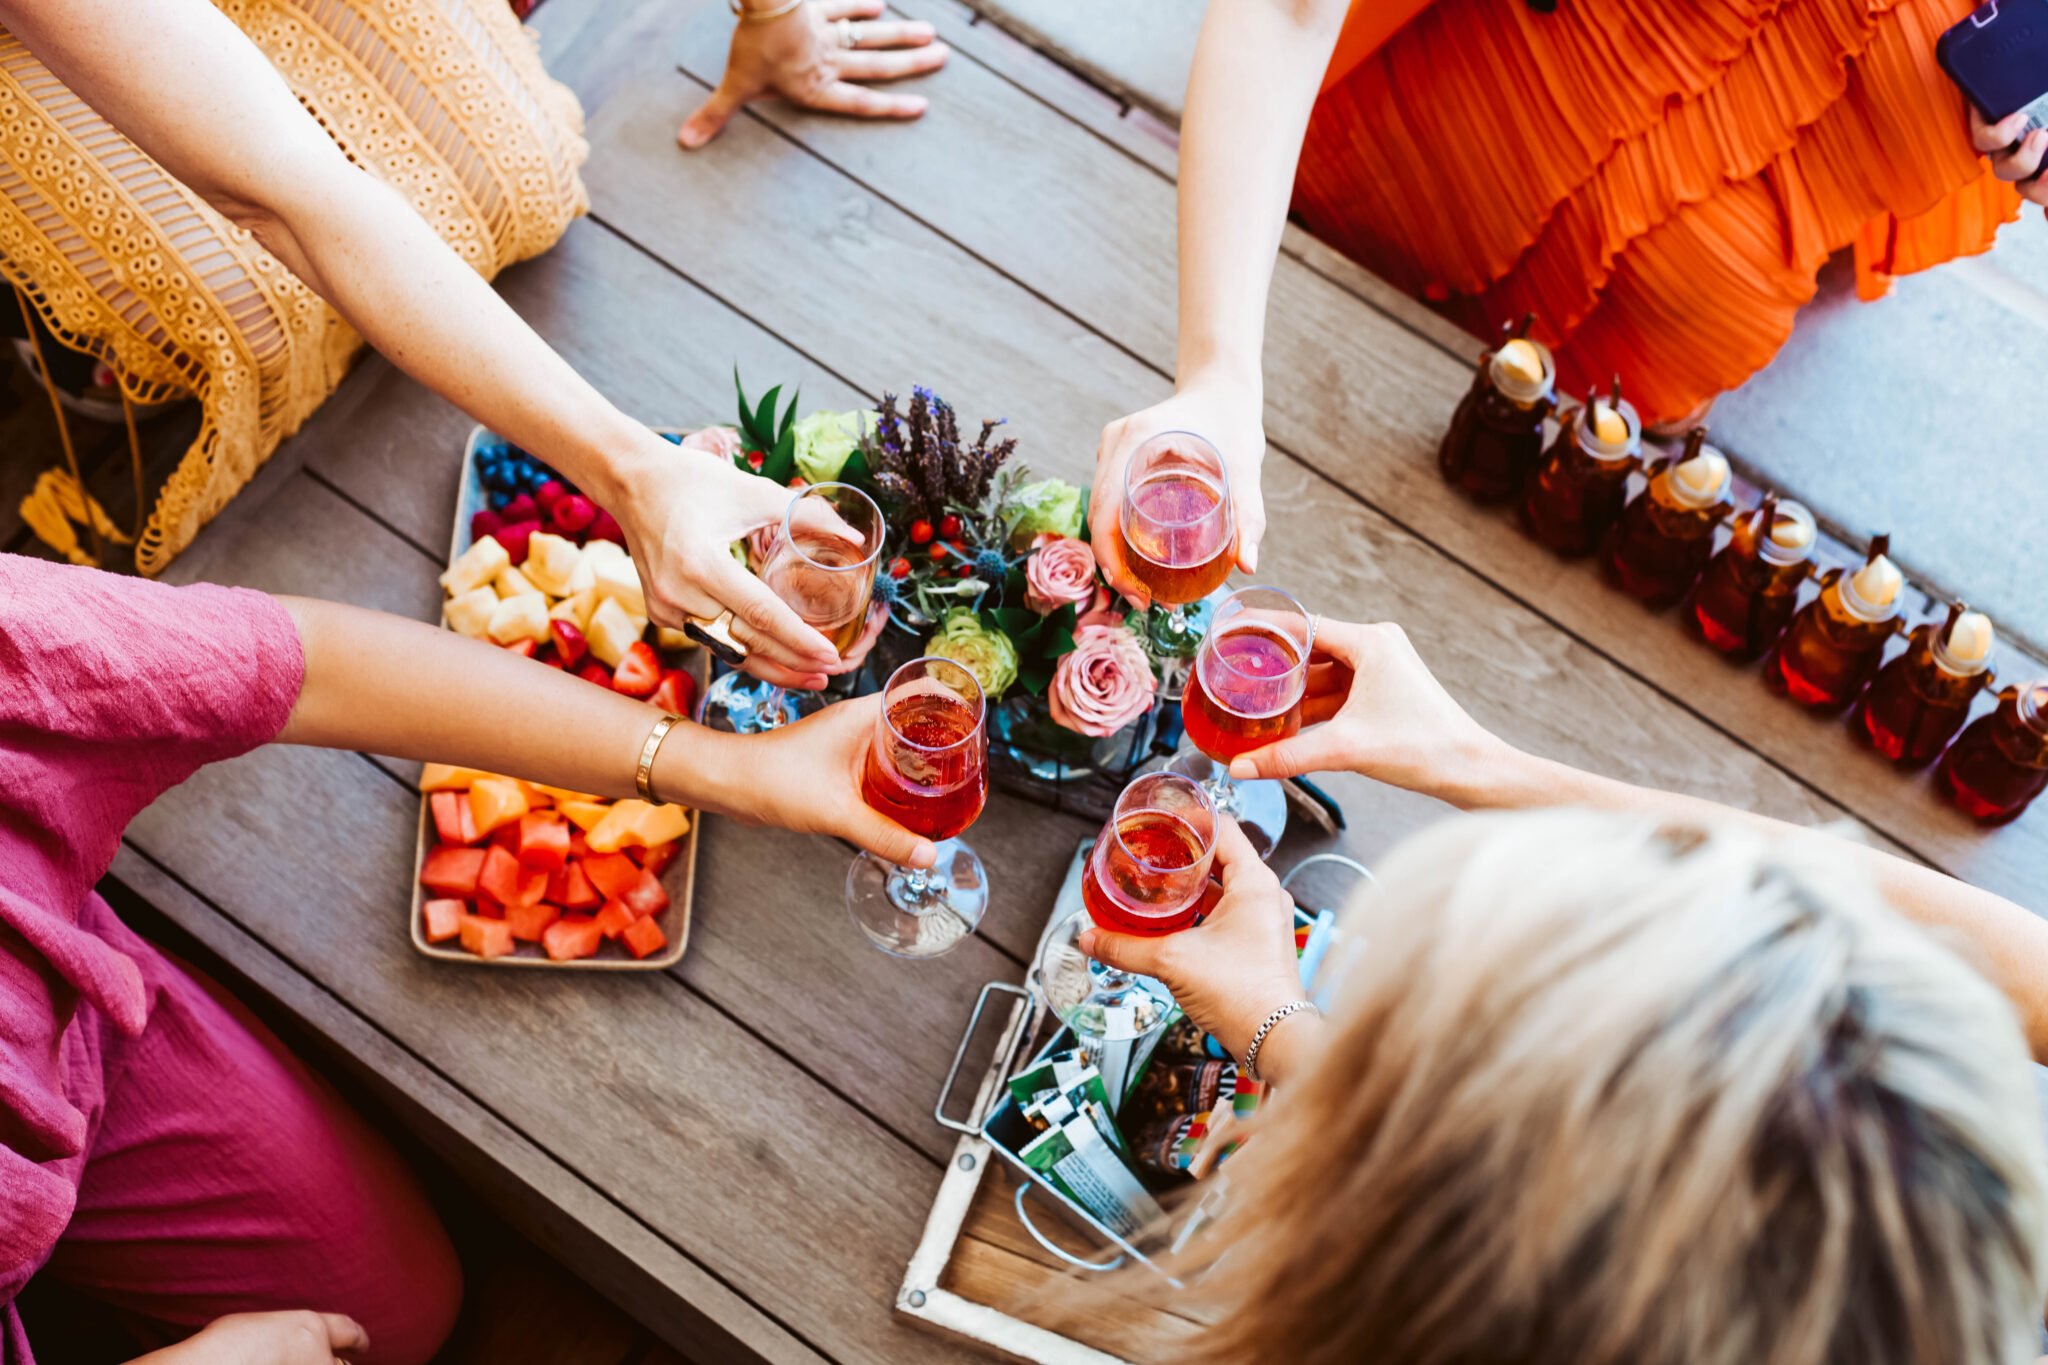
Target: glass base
1099	1003
745	705
1259	806
908	913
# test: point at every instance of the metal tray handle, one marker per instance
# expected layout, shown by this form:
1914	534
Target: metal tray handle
972	1125
1025	1187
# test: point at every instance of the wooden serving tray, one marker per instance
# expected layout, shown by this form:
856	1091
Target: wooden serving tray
679	880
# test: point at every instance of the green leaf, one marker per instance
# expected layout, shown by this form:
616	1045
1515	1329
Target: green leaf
764	416
789	417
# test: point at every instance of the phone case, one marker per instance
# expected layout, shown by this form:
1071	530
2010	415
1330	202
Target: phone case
1998	56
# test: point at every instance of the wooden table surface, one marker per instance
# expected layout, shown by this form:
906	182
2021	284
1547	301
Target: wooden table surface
741	1150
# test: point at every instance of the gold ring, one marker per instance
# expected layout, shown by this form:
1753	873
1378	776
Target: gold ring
716	636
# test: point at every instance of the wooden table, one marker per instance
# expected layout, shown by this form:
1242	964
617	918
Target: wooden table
740	1151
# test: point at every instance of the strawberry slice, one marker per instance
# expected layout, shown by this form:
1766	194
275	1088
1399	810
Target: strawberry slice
677	693
570	644
639	673
595	672
525	649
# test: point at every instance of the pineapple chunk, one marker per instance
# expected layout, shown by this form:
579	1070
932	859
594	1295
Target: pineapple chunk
513	583
597	551
611	632
550	560
444	777
470	614
476	566
583	578
584	814
667	639
524	617
619	580
575	610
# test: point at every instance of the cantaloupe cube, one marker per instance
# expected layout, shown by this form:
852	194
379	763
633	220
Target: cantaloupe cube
445	777
550	560
470	614
658	825
618	579
563	795
575	610
584	814
611	632
495	802
610	834
476	566
524	617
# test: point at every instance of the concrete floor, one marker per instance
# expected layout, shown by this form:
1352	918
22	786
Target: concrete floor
1911	415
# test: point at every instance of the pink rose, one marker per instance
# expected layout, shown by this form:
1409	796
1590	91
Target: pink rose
1103	684
724	442
1061	570
1102	610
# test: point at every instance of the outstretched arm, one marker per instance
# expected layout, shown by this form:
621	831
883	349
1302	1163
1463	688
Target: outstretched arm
1254	80
193	92
387	685
1390	719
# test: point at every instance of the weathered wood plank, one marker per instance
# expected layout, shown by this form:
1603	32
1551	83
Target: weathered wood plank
1351	391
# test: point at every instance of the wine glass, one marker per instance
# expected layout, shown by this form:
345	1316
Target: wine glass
821	562
927	770
1180	536
1148	873
1245	692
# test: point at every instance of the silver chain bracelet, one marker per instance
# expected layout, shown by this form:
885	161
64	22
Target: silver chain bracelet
1251	1054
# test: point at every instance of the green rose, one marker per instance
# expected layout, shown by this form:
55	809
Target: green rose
987	654
1052	505
825	441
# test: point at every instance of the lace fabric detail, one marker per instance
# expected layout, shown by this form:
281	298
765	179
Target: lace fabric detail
445	100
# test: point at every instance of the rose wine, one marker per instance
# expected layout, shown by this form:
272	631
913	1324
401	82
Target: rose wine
1245	692
1178	534
820	580
931	775
1145	879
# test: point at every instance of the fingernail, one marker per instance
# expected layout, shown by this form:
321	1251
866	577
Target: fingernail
926	855
1243	769
1086	942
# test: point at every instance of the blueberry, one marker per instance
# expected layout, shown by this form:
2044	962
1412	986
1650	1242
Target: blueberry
499	497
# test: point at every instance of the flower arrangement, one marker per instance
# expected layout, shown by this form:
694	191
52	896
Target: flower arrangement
983	565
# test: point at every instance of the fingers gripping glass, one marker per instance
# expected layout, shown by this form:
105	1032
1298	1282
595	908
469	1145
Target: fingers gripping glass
1147	874
926	769
821	562
1179	530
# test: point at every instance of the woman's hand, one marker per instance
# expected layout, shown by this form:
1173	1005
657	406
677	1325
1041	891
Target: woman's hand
1234	968
807	777
294	1338
1231	418
681	512
2016	150
1383	714
810	56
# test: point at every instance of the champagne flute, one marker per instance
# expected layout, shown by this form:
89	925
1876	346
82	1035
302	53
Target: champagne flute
927	770
821	562
1180	536
1148	873
1246	691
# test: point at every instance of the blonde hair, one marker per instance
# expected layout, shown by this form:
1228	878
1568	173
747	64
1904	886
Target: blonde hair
1599	1093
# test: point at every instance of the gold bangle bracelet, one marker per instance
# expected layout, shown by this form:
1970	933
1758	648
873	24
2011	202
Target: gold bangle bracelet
643	777
762	16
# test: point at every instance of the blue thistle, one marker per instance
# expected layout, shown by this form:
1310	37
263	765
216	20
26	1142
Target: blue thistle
887	589
991	565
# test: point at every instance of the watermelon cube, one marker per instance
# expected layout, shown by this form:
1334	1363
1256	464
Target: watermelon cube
528	922
453	822
644	936
486	937
613	874
443	919
646	896
572	936
502	877
571	889
452	871
658	858
615	918
543	841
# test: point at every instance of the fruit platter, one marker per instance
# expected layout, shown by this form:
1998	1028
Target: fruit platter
510	872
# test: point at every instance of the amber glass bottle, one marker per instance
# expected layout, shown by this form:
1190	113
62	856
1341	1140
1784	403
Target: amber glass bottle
1496	436
1746	598
1834	645
1578	487
2001	762
1666	536
1917	702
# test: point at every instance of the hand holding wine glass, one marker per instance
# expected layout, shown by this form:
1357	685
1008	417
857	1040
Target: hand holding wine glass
1245	693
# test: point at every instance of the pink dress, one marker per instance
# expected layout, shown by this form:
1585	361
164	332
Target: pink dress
159	1149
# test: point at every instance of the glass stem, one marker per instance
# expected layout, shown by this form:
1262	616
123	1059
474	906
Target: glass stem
916	887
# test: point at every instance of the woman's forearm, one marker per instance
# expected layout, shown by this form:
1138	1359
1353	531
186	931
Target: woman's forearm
1256	71
2008	943
387	685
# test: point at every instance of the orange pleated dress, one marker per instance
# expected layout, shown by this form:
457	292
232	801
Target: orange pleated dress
1659	181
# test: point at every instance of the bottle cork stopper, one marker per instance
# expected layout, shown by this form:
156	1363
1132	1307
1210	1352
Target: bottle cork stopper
1878	582
1701	478
1521	361
1790	533
1609	425
1969	639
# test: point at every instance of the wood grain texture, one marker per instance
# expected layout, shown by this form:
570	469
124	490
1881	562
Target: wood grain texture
1358	388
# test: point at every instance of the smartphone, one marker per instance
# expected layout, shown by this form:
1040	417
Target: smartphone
1998	56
